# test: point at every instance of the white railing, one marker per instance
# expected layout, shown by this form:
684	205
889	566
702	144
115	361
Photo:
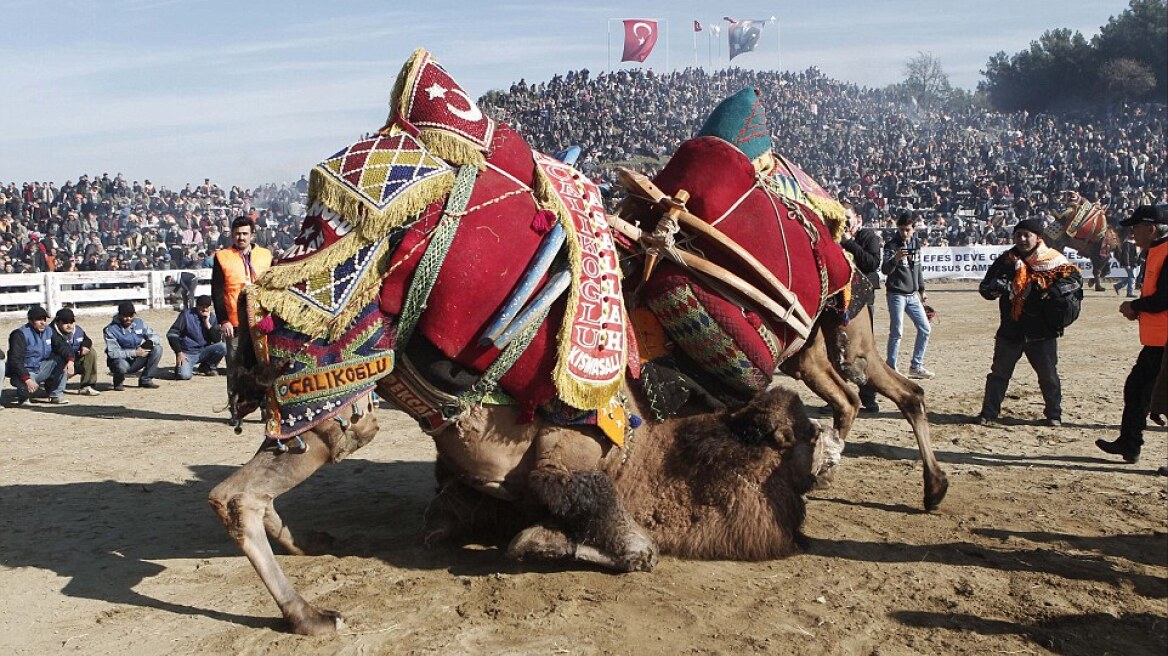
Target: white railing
92	292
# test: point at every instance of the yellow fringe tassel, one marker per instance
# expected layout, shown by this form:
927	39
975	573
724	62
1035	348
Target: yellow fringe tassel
365	217
404	83
306	319
831	212
453	148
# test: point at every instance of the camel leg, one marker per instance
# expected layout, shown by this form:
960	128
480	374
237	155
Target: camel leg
910	398
356	433
813	366
242	503
861	351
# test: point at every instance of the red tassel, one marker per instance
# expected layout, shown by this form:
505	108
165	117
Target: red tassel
526	414
266	325
753	319
543	221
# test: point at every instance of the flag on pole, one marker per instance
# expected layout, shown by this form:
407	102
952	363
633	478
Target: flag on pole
697	26
716	29
640	37
729	20
744	36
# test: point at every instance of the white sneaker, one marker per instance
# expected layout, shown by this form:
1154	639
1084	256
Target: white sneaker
88	391
920	373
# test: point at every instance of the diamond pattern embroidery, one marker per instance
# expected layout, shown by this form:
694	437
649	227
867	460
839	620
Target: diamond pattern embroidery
329	291
380	168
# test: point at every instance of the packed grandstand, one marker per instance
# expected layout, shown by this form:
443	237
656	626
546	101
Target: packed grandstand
968	173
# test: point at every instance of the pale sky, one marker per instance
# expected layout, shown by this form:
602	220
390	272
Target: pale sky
247	92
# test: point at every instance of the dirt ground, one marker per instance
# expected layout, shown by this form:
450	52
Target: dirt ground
1043	546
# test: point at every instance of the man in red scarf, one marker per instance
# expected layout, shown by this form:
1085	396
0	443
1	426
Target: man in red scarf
1038	292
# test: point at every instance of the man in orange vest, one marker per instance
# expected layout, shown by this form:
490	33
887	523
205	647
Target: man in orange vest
1149	225
234	269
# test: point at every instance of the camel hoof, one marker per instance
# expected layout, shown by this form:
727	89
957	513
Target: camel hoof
935	491
641	553
314	622
541	543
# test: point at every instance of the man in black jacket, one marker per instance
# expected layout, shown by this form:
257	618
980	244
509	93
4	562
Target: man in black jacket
864	244
905	287
1033	285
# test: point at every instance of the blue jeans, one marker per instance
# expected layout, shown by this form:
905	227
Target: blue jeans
898	305
50	376
209	356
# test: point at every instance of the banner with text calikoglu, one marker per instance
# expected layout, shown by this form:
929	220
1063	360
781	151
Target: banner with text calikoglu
972	262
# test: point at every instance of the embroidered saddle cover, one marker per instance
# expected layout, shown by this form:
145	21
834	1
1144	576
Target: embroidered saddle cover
426	227
787	237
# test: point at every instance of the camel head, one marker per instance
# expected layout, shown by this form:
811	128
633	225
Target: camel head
251	383
776	415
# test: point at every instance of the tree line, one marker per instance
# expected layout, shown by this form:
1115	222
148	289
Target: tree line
1126	62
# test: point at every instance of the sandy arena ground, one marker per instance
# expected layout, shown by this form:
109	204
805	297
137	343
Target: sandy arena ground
1043	546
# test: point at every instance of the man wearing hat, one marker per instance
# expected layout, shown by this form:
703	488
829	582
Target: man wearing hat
1149	225
81	346
196	339
130	346
36	360
1038	292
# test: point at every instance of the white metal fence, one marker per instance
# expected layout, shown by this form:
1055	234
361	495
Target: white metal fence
92	292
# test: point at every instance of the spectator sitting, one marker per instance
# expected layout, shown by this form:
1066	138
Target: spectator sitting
36	358
81	346
196	339
130	346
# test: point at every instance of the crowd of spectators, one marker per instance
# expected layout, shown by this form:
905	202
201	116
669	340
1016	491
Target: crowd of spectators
968	173
105	223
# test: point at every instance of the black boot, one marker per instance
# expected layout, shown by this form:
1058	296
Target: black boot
1130	454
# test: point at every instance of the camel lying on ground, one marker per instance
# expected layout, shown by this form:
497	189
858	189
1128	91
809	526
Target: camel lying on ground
725	485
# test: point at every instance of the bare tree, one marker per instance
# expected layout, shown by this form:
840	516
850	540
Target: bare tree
925	80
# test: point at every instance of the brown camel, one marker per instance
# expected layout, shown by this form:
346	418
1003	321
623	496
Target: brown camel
834	353
723	485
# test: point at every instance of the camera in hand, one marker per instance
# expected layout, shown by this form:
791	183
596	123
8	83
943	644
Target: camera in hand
146	345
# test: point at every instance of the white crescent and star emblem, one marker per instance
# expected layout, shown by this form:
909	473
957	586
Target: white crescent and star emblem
471	113
637	32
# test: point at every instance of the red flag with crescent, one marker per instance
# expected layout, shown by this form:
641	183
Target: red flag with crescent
640	37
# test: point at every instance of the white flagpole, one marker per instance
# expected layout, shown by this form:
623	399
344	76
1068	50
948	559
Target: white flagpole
666	21
608	28
695	41
778	44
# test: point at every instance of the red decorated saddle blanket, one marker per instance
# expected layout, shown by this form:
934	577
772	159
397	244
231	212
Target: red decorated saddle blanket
428	227
726	337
